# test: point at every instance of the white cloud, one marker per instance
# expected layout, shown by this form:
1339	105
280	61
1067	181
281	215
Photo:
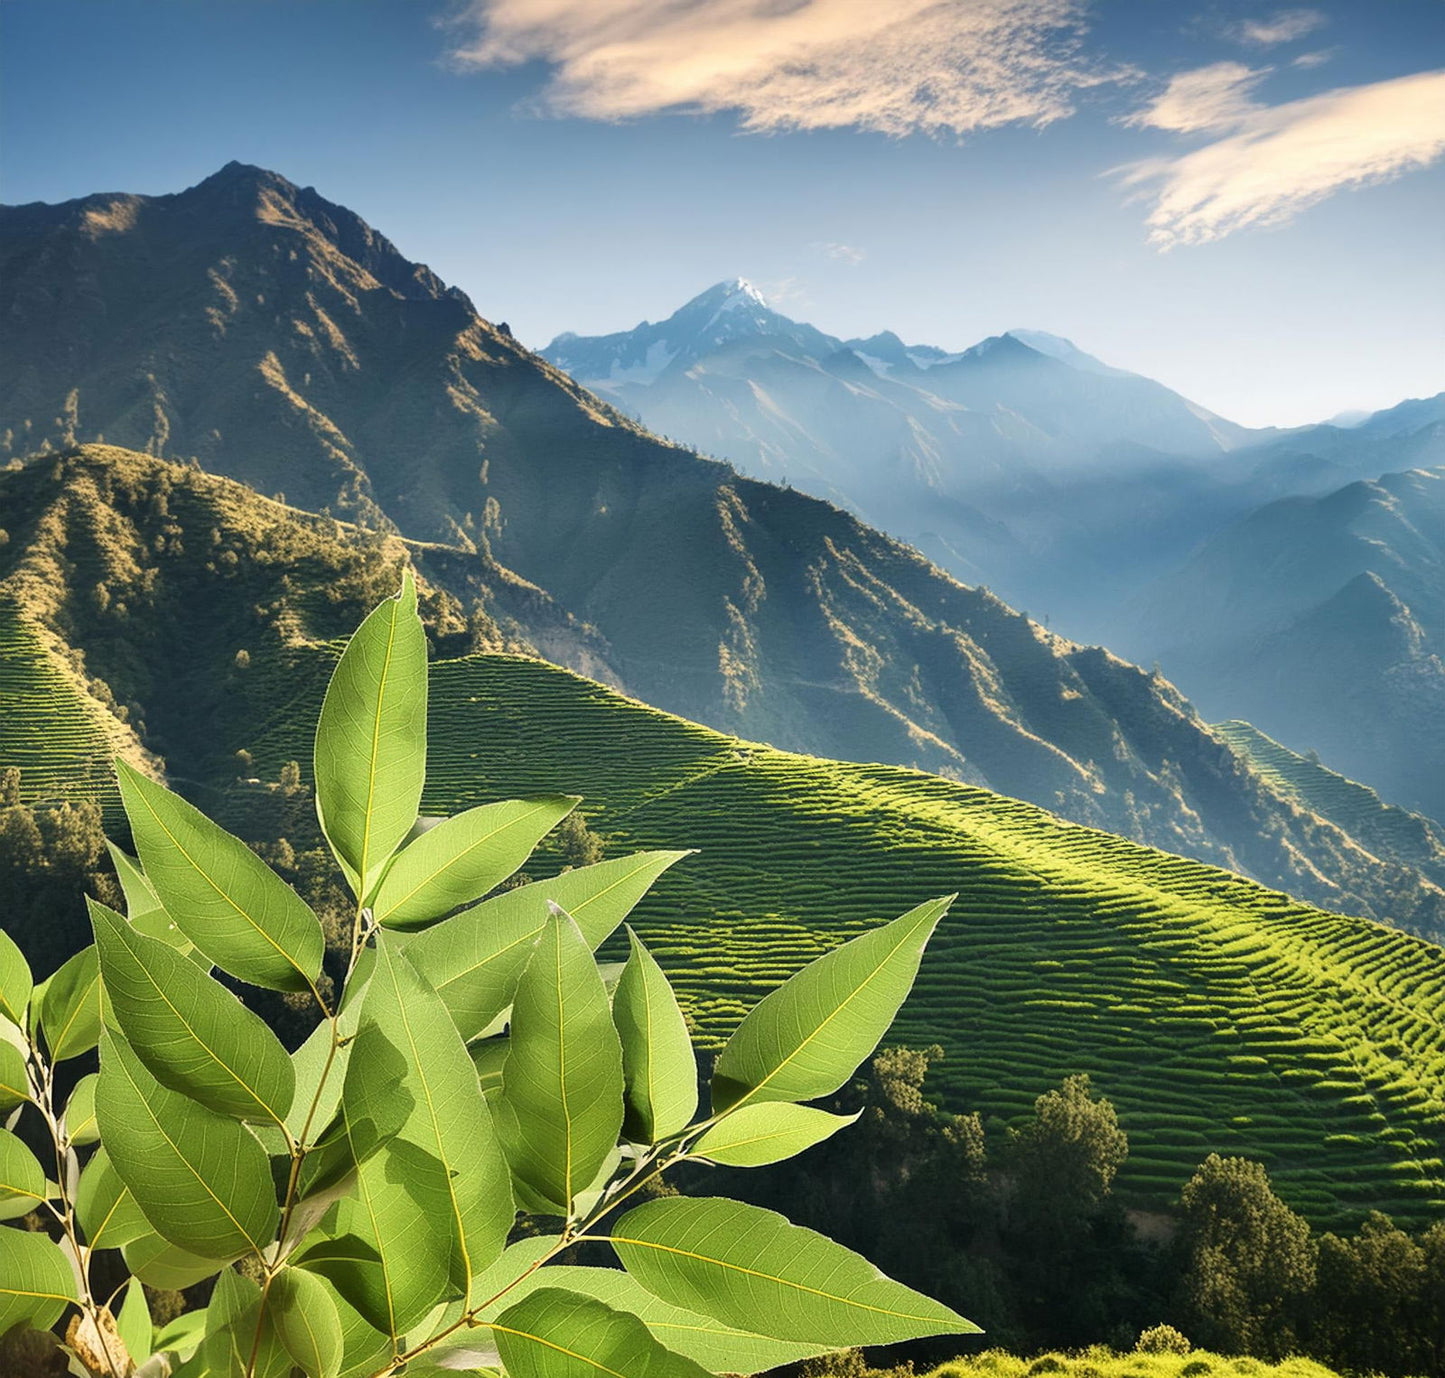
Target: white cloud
1284	26
896	66
841	253
1278	160
1214	97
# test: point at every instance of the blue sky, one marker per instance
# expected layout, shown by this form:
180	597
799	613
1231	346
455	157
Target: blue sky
1241	199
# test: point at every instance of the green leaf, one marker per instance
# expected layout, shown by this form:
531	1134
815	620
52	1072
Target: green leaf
203	1181
657	1058
449	1119
371	739
307	1322
489	1057
475	959
108	1213
559	1334
805	1039
364	1349
219	893
141	900
750	1268
181	1336
15	981
159	1263
22	1179
36	1280
70	1007
80	1125
133	1322
192	1033
767	1132
240	1342
463	857
717	1347
14	1083
560	1110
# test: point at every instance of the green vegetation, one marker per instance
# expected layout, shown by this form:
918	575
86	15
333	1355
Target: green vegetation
1104	1363
355	1203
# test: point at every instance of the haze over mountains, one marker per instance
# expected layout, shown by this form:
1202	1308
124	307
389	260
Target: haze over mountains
1079	490
275	338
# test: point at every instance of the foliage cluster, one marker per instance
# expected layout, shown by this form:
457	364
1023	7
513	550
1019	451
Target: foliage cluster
479	1098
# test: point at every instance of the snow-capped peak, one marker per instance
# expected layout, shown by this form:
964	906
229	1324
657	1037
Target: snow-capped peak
739	293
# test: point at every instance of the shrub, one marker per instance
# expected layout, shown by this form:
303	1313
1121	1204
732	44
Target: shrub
351	1203
1162	1339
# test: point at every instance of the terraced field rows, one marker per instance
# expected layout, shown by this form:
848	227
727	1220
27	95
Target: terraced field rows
48	728
1216	1014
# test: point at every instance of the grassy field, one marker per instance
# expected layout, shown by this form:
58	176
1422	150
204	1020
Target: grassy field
1219	1016
1103	1363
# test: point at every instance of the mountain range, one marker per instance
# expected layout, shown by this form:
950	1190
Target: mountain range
1111	505
268	335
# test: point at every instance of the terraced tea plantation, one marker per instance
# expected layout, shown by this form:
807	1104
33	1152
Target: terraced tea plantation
1217	1015
1385	829
48	727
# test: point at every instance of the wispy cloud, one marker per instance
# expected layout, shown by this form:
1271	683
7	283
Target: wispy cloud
1283	26
895	66
840	253
1275	161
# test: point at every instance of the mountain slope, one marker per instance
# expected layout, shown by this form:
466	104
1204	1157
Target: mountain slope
1215	1014
1322	620
279	340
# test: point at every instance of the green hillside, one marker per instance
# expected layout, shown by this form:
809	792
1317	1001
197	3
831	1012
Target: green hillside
1386	829
1216	1014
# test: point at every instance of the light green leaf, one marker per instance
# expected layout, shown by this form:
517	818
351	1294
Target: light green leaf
14	1083
219	893
805	1039
752	1269
240	1342
108	1213
133	1322
717	1347
461	858
15	981
559	1334
182	1335
70	1007
364	1349
203	1181
36	1280
22	1179
560	1110
371	739
80	1125
141	900
475	958
192	1033
489	1057
657	1057
767	1132
307	1322
449	1120
159	1263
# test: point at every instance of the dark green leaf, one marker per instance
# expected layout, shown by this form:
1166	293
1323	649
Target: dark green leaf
192	1034
461	858
751	1269
657	1056
805	1039
108	1213
371	739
